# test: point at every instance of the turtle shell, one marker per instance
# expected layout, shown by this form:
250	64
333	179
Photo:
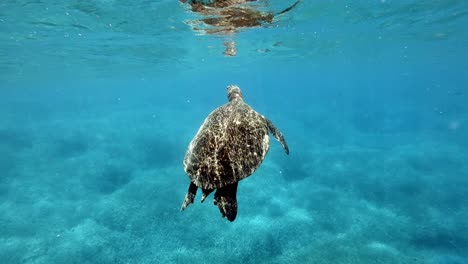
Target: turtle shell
229	146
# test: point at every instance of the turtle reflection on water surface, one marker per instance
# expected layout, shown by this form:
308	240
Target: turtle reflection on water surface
229	146
227	16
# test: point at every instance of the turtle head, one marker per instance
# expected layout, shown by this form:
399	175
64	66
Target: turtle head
234	92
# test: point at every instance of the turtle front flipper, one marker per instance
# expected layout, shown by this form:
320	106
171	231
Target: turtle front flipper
278	135
225	199
190	196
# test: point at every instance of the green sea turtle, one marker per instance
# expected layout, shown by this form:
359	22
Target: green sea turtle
229	146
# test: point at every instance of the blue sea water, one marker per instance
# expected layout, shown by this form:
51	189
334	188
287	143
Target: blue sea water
99	100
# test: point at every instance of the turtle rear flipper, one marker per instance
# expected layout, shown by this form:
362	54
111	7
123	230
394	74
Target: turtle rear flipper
192	191
278	135
225	199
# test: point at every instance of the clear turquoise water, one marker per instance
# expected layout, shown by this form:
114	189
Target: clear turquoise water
99	100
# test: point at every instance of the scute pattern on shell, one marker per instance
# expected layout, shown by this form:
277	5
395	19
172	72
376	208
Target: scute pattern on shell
229	146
